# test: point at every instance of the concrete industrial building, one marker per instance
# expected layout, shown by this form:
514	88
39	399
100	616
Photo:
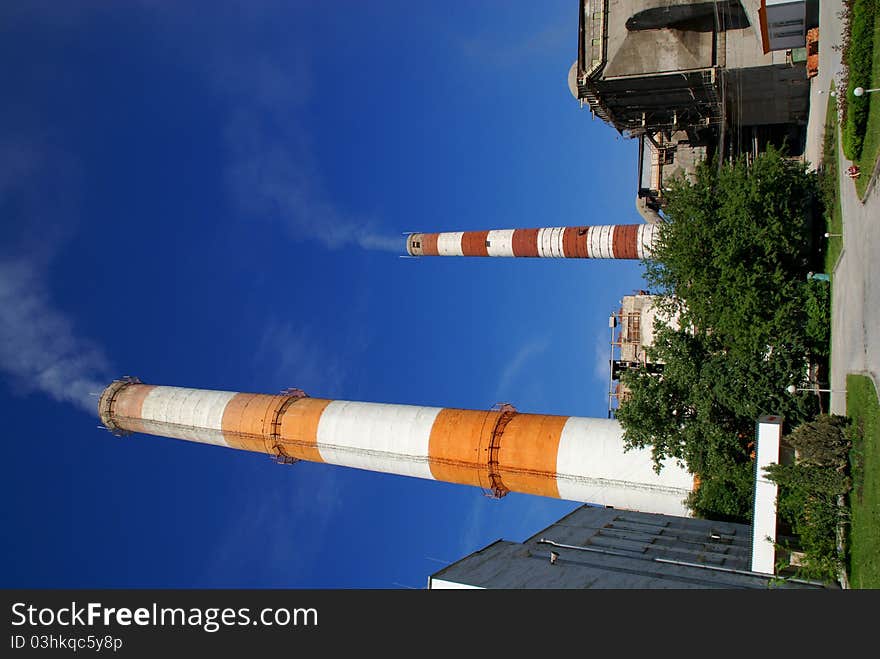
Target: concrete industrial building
632	333
634	324
691	78
498	450
607	548
662	158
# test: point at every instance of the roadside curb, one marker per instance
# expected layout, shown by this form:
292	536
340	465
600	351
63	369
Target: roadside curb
869	188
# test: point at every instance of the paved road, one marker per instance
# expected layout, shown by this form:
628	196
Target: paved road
855	304
830	28
855	324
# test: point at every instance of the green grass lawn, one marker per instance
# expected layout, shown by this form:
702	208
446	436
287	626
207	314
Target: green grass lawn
864	542
871	145
829	182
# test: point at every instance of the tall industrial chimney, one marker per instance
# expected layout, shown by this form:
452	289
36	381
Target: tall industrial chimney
620	241
499	450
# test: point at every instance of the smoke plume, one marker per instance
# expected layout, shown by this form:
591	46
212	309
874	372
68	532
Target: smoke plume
40	349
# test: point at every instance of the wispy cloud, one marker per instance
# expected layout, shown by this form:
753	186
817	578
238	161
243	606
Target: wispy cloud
498	50
473	528
40	349
272	171
516	517
272	177
285	558
515	365
602	353
294	358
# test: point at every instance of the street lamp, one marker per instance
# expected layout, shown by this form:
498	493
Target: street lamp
793	390
833	235
861	91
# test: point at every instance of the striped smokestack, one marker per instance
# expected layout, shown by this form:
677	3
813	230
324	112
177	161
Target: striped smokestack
500	450
618	241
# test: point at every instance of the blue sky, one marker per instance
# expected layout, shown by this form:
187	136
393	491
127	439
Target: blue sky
213	196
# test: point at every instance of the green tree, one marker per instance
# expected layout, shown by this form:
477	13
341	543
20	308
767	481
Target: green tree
731	260
702	407
735	251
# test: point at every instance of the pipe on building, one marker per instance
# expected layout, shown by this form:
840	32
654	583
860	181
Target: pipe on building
671	561
620	241
499	450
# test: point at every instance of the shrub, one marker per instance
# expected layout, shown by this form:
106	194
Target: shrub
725	494
817	328
805	482
858	54
823	442
809	490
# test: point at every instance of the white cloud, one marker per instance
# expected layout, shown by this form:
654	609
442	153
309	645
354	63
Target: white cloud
515	517
473	533
40	349
272	171
515	365
501	50
602	347
285	558
293	357
264	76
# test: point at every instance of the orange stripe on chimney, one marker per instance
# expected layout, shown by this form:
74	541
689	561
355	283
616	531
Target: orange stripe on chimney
299	428
527	459
127	410
458	443
247	421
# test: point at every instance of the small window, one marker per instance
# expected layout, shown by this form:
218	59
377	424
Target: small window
794	21
596	41
488	243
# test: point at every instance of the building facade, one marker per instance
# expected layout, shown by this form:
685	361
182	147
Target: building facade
690	78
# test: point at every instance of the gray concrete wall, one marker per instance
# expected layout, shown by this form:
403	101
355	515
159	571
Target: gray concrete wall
638	52
766	95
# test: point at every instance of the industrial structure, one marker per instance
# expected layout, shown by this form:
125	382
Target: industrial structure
621	241
606	548
692	78
499	450
632	334
688	79
634	323
595	547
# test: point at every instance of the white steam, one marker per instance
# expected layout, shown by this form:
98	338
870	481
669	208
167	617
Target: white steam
39	348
